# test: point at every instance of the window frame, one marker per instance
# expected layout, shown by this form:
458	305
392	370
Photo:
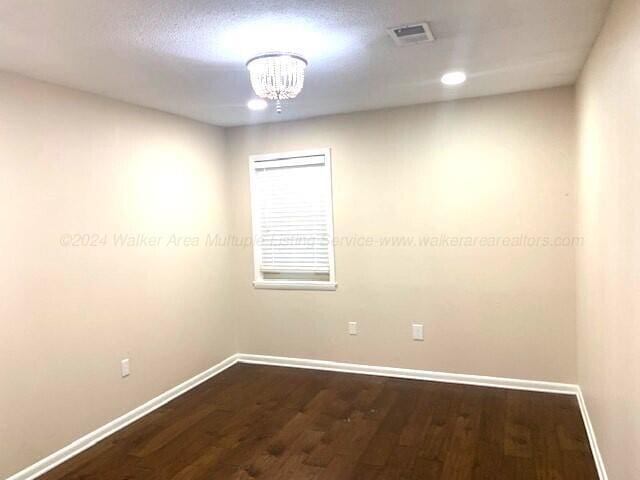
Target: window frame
259	281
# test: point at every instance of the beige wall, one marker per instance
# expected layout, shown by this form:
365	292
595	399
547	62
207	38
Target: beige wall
500	166
608	266
76	163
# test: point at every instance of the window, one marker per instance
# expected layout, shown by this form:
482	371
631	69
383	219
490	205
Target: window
293	220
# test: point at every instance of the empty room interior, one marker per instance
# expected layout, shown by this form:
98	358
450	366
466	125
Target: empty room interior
320	240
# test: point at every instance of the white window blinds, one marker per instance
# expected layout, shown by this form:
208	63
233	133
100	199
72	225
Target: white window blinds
292	219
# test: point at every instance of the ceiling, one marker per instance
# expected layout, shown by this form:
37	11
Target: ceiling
188	56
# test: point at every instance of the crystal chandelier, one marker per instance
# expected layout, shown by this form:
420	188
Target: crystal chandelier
277	76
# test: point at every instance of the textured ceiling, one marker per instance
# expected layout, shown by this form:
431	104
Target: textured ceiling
188	56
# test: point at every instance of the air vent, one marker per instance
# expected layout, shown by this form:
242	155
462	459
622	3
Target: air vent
411	34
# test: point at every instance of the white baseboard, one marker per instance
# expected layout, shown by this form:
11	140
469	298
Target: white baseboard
499	382
94	437
597	456
119	423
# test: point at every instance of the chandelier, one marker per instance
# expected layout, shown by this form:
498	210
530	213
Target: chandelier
277	76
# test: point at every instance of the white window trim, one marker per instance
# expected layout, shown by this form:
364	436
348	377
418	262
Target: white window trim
259	282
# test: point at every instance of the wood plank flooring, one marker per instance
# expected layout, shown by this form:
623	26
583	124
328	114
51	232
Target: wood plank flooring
258	422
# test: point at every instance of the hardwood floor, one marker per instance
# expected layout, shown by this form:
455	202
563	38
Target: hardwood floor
257	422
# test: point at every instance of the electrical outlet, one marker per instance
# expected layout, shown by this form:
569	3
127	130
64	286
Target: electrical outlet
125	367
418	331
353	328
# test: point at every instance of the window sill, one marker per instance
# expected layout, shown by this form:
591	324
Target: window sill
289	285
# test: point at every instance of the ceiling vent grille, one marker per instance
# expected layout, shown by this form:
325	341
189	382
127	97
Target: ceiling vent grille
411	34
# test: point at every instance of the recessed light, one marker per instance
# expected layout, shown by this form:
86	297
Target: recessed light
257	104
454	78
